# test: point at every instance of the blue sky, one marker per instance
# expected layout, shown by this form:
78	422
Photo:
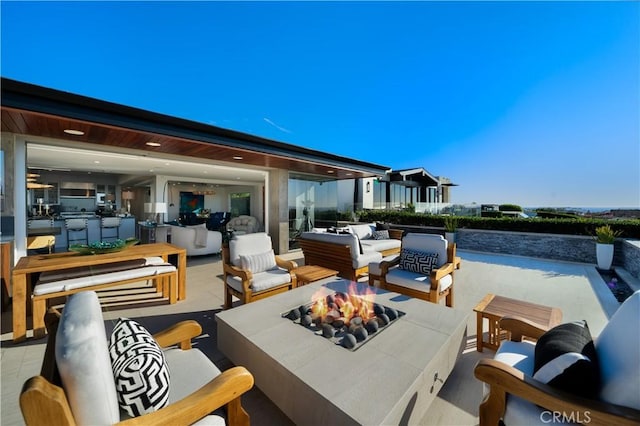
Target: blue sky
532	103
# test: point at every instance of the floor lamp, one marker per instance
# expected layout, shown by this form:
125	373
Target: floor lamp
128	196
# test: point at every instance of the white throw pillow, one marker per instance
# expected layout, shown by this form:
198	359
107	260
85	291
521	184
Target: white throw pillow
83	360
618	347
258	262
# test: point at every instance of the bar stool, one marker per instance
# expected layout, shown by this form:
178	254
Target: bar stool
110	223
74	227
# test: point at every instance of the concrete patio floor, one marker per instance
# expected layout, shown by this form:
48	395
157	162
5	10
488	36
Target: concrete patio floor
575	288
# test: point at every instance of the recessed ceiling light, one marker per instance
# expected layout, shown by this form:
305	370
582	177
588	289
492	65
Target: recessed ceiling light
237	157
153	144
96	161
73	132
330	171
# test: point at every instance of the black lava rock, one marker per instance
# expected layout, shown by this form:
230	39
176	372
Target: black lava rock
383	320
328	331
391	313
378	309
361	334
372	325
306	320
349	341
294	314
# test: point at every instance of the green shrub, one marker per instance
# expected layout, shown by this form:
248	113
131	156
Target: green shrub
628	228
509	208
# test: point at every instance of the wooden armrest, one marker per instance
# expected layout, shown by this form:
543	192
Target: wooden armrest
396	234
442	271
244	275
388	264
42	402
504	378
224	389
521	327
286	264
179	334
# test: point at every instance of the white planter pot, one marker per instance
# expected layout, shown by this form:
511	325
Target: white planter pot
604	255
450	237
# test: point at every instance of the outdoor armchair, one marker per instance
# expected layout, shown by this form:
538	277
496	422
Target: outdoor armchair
252	271
424	269
517	395
78	383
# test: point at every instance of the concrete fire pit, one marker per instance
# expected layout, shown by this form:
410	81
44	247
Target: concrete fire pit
391	380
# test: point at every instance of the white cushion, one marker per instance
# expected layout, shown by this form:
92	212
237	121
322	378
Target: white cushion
374	267
618	348
261	280
415	281
519	355
430	243
75	283
248	244
82	356
380	245
258	262
182	364
363	232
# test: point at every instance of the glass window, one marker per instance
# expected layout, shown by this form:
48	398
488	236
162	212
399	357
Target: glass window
240	204
313	203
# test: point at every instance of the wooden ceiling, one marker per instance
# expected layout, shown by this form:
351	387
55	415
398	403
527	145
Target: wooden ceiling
44	125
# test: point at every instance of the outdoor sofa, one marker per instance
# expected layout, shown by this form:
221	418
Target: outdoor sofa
349	250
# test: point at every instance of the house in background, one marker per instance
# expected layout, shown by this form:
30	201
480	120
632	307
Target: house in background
139	158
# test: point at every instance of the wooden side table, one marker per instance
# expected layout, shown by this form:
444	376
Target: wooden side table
493	308
309	273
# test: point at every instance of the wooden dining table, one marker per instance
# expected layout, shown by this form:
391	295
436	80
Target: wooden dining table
26	272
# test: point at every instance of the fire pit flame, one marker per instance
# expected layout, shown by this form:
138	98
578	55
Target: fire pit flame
348	319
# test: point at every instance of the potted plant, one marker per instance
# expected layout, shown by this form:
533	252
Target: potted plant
605	237
450	228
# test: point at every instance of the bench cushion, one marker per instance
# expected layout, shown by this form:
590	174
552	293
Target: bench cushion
103	278
83	360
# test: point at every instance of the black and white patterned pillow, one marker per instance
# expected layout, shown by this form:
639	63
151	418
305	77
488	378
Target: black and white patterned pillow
139	369
381	235
566	358
418	261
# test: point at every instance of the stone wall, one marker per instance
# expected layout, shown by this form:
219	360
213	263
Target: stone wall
573	248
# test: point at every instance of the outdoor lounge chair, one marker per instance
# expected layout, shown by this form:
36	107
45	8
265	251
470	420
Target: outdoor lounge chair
517	395
424	269
252	271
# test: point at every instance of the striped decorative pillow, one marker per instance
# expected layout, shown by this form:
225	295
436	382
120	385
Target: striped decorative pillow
258	262
139	369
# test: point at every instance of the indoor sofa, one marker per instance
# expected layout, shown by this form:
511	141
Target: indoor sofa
197	239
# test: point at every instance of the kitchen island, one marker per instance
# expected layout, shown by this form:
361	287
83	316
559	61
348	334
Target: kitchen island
127	229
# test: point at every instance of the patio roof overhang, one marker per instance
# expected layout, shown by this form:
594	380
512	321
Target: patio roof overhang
38	111
413	177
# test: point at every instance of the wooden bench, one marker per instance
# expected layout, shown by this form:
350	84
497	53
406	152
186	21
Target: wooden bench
68	281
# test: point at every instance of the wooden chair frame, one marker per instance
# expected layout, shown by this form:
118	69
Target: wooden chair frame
504	379
43	400
435	294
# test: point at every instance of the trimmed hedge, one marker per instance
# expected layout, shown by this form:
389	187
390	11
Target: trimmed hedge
629	228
